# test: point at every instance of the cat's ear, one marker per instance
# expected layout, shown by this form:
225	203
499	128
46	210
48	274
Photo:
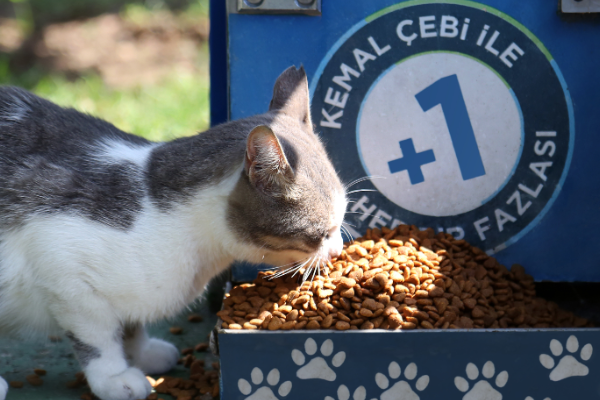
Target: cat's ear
265	164
290	95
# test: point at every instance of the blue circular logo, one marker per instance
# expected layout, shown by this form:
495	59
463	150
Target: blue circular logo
457	114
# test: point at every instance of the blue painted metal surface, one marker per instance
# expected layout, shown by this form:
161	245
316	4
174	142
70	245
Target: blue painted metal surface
561	246
519	364
219	104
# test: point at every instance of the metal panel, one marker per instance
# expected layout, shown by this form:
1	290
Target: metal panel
570	50
580	6
219	102
478	365
306	7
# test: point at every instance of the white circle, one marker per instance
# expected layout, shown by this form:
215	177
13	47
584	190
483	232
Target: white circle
390	113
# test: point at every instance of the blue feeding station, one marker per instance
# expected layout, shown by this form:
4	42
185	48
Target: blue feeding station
477	119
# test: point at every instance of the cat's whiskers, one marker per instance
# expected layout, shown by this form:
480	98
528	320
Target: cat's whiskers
308	270
298	265
347	232
295	267
285	265
362	190
364	178
315	269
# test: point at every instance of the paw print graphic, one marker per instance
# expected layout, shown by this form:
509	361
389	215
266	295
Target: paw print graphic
264	392
317	367
568	365
401	390
482	388
344	393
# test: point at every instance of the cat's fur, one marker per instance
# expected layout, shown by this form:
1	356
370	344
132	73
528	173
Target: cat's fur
102	232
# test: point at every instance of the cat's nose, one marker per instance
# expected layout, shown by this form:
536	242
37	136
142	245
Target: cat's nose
335	251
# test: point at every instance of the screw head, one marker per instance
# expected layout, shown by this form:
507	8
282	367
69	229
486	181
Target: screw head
306	2
253	2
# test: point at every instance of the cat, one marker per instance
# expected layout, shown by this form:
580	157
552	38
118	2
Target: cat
102	232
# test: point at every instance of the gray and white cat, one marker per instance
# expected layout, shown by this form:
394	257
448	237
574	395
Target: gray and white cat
102	232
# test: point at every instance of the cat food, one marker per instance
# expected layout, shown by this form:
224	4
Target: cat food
397	279
34	380
194	318
200	382
176	330
16	384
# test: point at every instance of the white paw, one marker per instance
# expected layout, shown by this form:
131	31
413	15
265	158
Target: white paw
157	357
401	389
344	393
482	388
130	384
264	392
3	388
568	365
317	368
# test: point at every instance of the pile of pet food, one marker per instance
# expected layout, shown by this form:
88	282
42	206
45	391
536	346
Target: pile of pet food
397	279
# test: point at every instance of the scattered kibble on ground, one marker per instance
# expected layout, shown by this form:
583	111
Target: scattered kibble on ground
176	330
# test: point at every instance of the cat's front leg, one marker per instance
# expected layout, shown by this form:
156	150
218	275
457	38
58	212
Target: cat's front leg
151	355
96	338
3	388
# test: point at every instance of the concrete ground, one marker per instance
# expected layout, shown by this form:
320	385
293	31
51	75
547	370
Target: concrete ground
19	358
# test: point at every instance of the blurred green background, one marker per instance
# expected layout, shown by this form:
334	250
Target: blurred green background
141	65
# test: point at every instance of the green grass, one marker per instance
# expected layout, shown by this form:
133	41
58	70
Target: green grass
174	107
179	106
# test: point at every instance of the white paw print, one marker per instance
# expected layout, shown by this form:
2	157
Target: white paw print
482	390
344	394
401	390
531	398
317	368
568	365
264	392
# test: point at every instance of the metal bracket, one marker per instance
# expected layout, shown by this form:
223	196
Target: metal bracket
580	6
306	7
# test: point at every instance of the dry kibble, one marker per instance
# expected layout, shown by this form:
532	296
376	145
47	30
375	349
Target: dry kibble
400	278
16	384
275	324
186	351
394	321
342	326
176	330
313	325
286	326
327	322
194	318
34	380
73	384
39	371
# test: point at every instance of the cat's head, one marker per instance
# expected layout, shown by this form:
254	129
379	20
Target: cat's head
289	203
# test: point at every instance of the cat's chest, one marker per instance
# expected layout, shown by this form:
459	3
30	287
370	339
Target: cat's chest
146	273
